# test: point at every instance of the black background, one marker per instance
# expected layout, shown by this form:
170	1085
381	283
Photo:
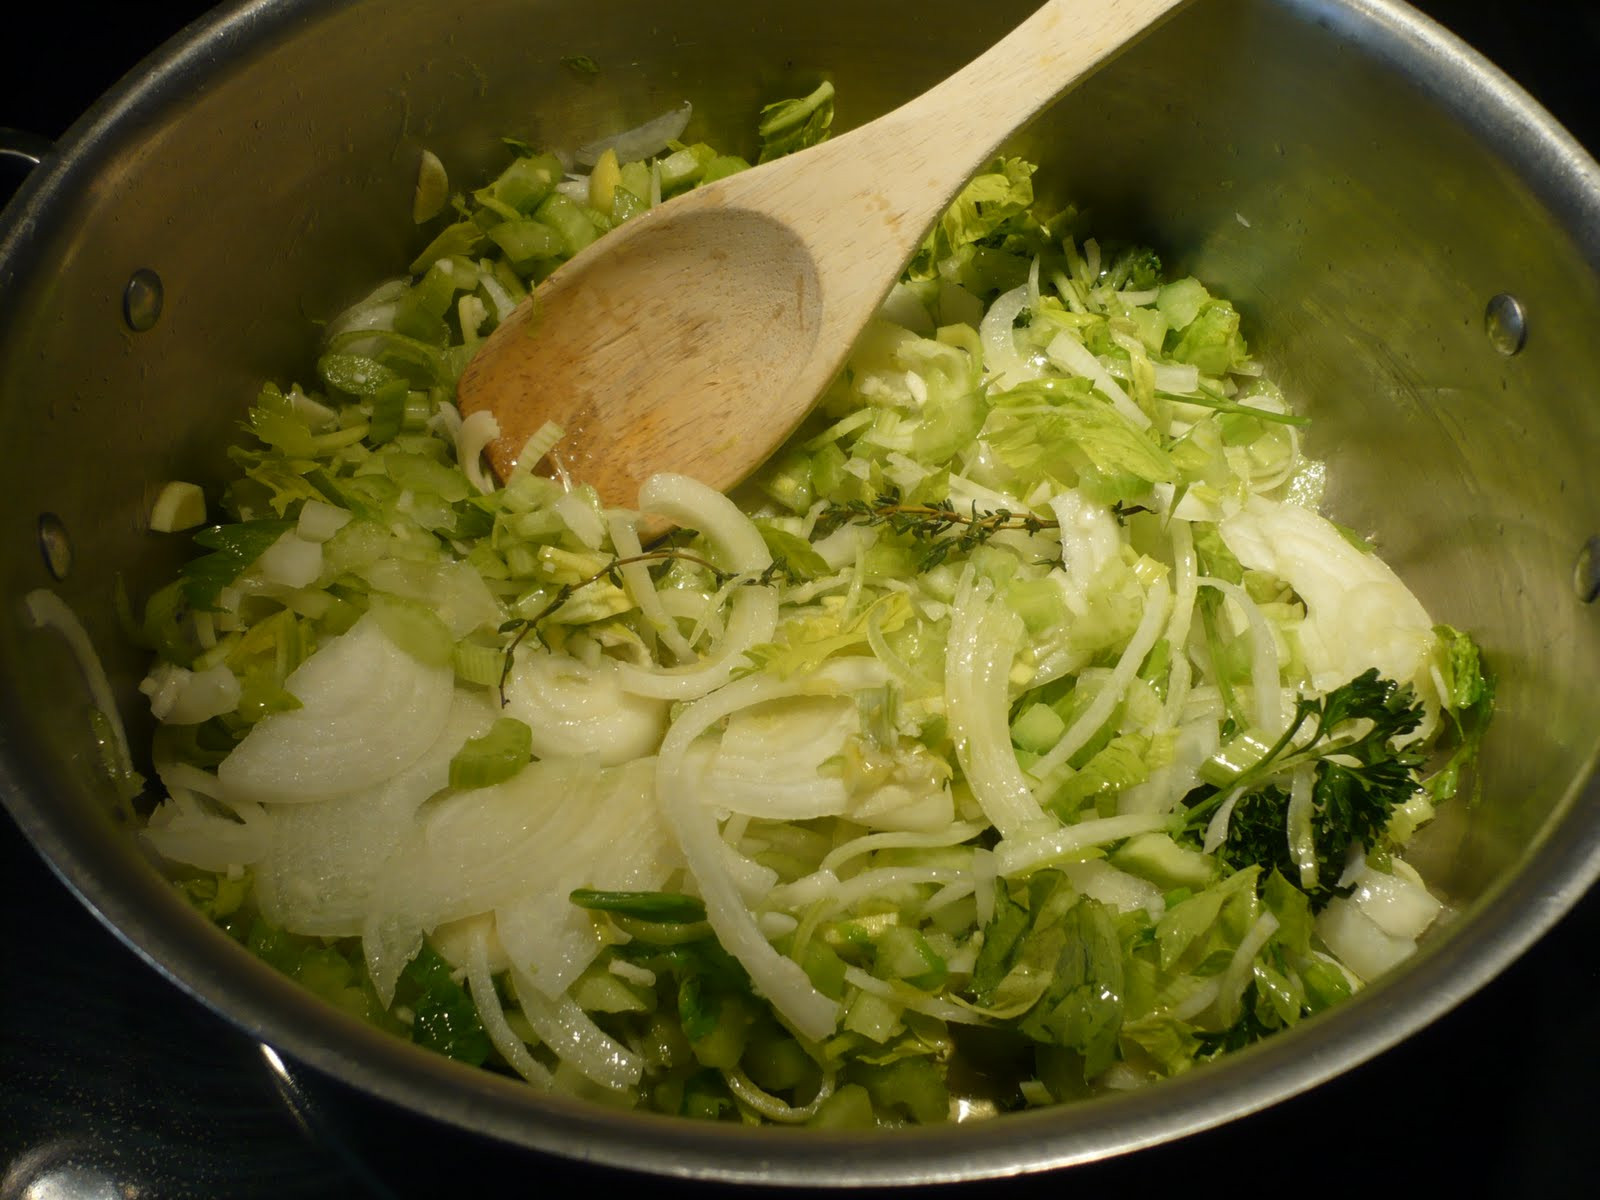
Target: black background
110	1075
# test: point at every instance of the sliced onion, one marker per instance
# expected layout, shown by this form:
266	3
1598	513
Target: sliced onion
998	332
1302	842
751	621
642	141
1217	828
574	1038
364	704
1101	881
1089	537
1018	857
475	433
1151	623
583	711
375	310
581	518
1357	940
1075	357
694	825
1231	985
1358	612
487	1000
982	643
1399	906
691	504
1265	681
291	561
636	577
324	860
1180	379
184	830
517	850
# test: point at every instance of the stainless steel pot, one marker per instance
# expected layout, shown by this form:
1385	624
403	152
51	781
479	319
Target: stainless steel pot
1414	243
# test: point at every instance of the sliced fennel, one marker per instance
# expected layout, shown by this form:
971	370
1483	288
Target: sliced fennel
1018	701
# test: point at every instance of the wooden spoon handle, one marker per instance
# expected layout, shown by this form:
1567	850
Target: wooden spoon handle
858	206
697	336
905	168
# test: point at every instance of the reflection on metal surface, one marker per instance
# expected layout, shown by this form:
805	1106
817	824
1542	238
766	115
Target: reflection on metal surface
64	1170
293	1098
275	1064
1586	573
20	146
142	300
318	1124
1506	324
55	545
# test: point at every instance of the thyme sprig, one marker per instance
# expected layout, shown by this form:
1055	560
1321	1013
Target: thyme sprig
944	527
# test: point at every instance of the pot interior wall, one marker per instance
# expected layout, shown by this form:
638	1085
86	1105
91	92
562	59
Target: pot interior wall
1361	223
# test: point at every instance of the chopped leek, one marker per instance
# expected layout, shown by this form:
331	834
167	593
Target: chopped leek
1017	702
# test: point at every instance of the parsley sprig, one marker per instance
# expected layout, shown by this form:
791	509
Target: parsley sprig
1361	777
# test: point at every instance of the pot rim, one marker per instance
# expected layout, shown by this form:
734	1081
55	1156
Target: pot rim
138	907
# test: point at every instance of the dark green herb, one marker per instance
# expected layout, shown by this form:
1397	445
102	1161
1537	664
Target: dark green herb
445	1018
672	907
1361	777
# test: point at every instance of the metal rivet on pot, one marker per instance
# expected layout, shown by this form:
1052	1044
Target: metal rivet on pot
55	545
142	299
1586	574
1506	324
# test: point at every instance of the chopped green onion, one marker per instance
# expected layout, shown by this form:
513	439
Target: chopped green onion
669	907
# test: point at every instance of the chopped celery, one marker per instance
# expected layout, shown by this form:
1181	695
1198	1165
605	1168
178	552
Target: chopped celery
1037	728
912	1086
526	240
1008	722
414	628
791	125
685	167
526	182
462	238
1156	857
873	1017
849	1107
493	758
570	222
388	411
788	481
903	953
722	166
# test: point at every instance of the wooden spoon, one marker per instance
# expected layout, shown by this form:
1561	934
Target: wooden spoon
697	336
